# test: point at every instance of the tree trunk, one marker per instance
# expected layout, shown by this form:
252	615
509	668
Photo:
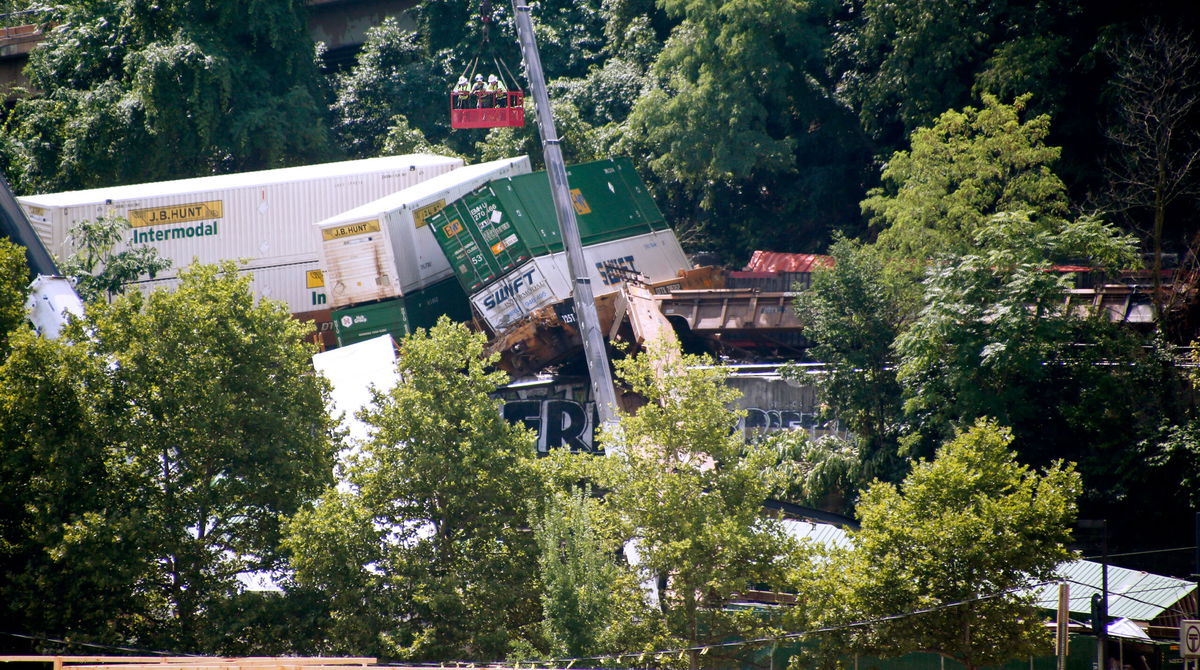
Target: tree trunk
1160	216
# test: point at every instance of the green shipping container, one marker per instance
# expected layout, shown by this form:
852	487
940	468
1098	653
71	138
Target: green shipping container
363	322
402	316
494	229
426	306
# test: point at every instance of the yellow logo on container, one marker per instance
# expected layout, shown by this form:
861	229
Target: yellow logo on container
453	228
497	248
420	214
315	279
195	211
580	205
350	230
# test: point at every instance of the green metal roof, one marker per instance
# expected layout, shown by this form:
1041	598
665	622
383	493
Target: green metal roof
1132	594
821	533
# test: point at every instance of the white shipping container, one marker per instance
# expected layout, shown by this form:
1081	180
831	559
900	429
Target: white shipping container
383	249
296	284
256	218
545	280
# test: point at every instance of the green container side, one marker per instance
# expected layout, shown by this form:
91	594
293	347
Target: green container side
475	246
528	202
617	198
503	245
456	234
609	198
611	203
640	194
426	306
368	321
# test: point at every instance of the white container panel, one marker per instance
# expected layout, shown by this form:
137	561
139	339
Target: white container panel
290	284
296	284
384	250
358	263
656	256
519	293
260	218
546	280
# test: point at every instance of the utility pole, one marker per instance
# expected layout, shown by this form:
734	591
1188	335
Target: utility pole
581	284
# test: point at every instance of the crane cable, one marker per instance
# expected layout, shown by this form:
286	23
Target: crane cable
485	19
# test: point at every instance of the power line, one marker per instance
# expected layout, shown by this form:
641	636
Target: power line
705	648
93	645
1112	593
1141	553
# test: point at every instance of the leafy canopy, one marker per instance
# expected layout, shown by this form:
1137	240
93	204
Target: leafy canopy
961	535
14	276
689	491
967	166
901	64
425	554
994	336
726	61
137	91
737	124
589	601
191	422
391	78
96	270
852	315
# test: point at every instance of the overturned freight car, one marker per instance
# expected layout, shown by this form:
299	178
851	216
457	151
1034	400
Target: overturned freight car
385	272
504	246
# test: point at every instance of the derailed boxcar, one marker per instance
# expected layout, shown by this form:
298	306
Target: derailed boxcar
504	246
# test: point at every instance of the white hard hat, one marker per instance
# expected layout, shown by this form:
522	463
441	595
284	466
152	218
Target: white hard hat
492	78
478	77
462	80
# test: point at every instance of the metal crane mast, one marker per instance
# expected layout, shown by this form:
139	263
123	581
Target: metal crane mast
585	303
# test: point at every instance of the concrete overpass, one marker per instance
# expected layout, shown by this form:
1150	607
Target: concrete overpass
341	24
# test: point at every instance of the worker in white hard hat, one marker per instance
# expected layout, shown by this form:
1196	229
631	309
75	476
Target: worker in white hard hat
498	96
477	87
462	91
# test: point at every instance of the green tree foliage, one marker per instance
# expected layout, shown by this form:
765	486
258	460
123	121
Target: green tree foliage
966	167
823	473
55	477
97	271
903	64
158	445
402	138
426	555
579	141
689	490
635	30
402	79
994	338
452	31
740	131
606	94
959	536
135	91
727	60
392	77
852	315
585	593
14	276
